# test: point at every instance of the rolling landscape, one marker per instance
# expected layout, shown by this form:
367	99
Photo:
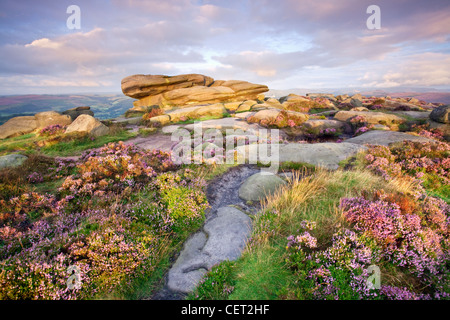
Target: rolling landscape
105	106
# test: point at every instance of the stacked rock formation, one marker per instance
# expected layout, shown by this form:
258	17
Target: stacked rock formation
185	90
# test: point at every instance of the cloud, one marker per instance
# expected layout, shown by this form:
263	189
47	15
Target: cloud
284	43
428	69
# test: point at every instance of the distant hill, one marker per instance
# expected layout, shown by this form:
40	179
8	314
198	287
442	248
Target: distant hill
105	106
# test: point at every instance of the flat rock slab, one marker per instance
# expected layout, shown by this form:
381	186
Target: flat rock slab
156	141
12	160
385	138
327	155
123	120
419	115
223	237
259	185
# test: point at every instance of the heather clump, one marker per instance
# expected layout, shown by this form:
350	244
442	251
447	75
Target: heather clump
338	272
120	212
406	239
115	167
52	130
426	163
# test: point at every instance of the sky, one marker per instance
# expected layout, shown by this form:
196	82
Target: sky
283	44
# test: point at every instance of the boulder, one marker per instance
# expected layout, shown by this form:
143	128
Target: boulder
442	127
273	103
417	115
397	104
223	237
197	112
48	118
87	123
359	109
327	155
246	106
319	124
232	106
140	86
12	160
385	138
162	119
75	112
18	126
321	95
243	115
259	185
277	118
186	96
441	114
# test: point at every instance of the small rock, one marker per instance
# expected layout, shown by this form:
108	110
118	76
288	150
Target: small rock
441	114
48	118
12	160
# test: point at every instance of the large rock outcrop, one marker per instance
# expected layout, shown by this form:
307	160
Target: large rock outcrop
139	86
186	90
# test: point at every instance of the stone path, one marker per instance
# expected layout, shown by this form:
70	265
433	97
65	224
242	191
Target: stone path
223	236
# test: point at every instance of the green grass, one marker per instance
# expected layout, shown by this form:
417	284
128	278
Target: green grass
24	143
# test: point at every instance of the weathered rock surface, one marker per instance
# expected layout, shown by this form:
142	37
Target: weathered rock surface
168	92
441	114
259	185
87	123
442	127
246	106
17	126
196	112
327	155
319	124
75	112
244	90
140	86
384	138
224	124
278	118
48	118
371	117
223	237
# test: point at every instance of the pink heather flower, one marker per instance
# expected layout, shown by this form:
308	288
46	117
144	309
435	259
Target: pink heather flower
291	123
